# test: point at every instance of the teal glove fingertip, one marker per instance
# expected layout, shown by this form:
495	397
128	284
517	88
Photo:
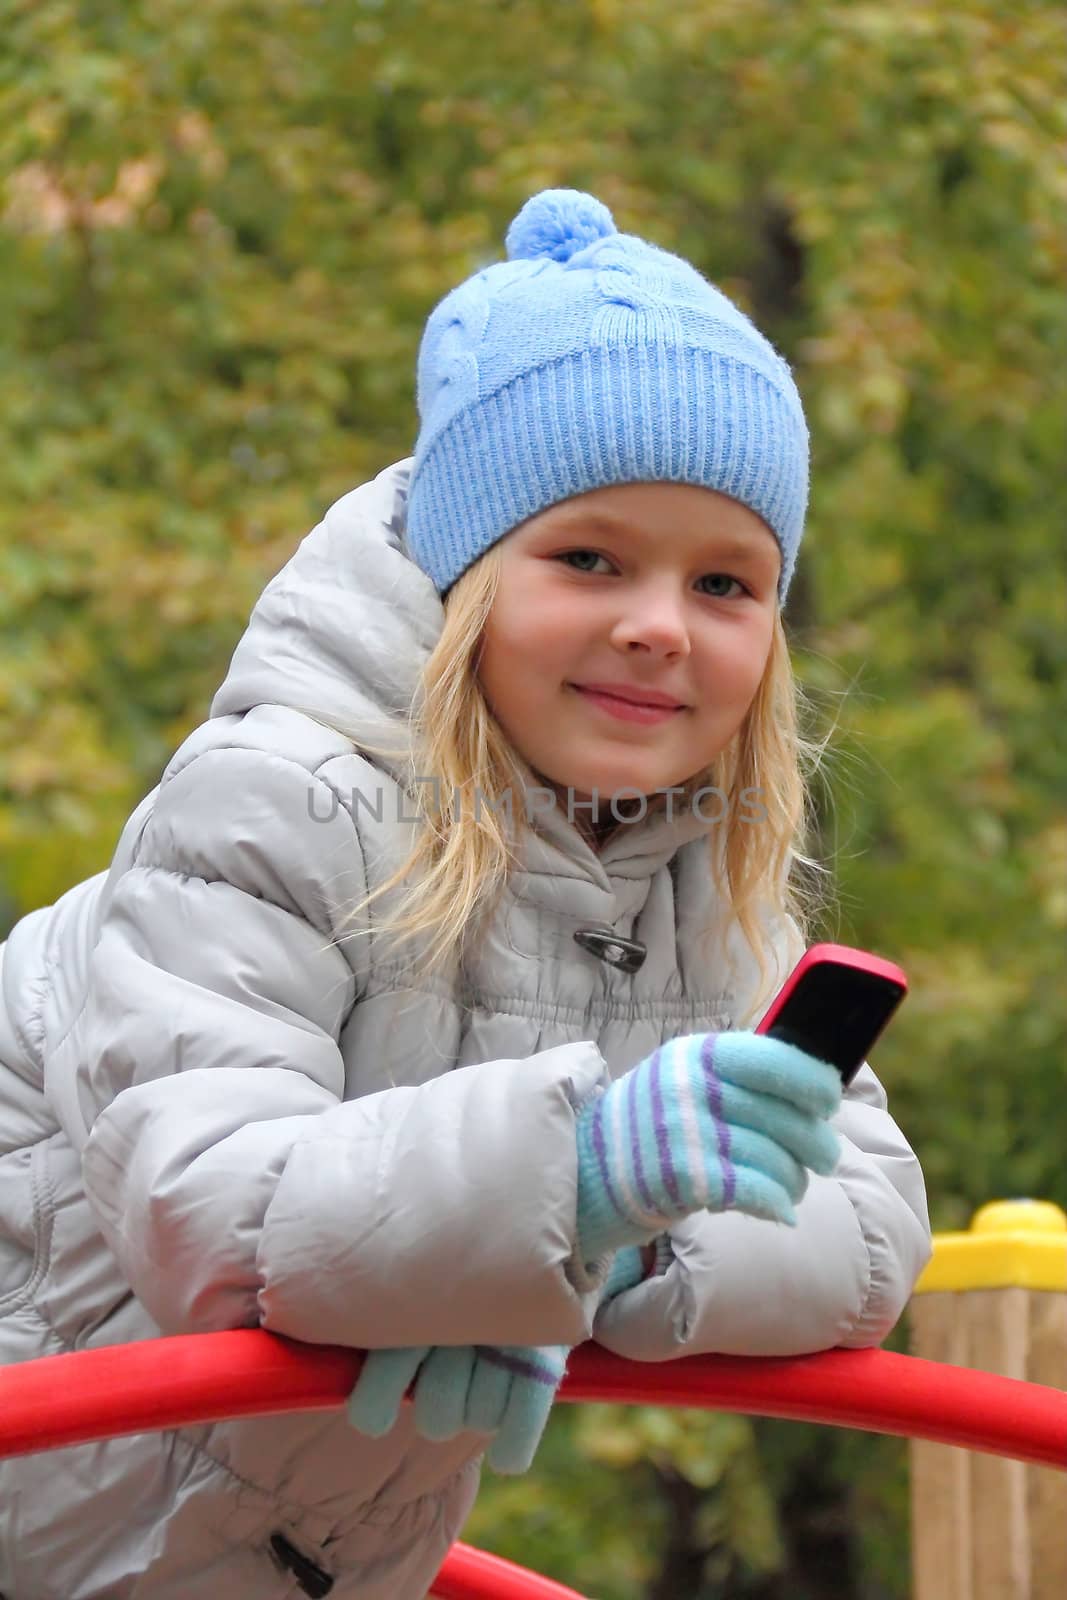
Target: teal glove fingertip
374	1404
775	1067
530	1402
829	1153
442	1390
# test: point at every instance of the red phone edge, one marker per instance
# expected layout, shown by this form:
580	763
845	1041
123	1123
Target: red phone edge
840	955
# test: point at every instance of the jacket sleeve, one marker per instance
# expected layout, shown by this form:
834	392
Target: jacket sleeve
730	1284
233	1181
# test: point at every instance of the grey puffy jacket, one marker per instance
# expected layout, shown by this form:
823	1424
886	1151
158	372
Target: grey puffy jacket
217	1110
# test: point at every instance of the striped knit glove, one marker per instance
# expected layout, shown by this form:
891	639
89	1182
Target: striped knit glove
506	1391
711	1121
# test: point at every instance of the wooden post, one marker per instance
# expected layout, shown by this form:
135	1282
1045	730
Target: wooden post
983	1527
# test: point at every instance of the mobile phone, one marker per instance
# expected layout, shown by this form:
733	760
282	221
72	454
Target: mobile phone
835	1004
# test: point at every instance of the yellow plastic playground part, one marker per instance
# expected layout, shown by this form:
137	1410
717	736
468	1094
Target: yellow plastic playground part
1011	1244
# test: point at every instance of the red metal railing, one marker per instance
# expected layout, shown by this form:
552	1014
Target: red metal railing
470	1574
168	1383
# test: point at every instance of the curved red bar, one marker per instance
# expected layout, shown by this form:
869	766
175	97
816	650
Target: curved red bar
470	1574
876	1391
168	1383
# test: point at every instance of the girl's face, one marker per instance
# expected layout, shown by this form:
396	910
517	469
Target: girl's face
645	589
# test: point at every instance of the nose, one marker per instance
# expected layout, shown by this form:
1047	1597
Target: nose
653	619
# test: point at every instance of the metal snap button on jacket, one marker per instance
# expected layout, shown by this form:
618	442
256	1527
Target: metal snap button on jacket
626	954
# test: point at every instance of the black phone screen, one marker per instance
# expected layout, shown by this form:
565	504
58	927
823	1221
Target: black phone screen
836	1013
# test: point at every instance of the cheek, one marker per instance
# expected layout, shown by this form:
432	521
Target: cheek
735	666
515	665
528	636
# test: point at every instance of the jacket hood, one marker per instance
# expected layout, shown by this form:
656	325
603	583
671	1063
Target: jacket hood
344	629
342	634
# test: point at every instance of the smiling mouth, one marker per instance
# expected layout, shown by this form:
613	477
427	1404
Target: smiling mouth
626	699
633	711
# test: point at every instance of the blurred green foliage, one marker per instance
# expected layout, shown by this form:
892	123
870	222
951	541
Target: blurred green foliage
221	230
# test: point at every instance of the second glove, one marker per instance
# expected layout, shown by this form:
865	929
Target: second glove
503	1390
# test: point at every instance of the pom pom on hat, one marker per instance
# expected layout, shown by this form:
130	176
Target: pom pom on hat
558	223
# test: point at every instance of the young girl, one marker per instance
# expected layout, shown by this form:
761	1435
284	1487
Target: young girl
411	1012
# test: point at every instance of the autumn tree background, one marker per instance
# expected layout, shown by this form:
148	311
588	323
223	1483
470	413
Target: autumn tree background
222	227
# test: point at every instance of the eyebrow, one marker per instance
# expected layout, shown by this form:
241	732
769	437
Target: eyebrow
729	546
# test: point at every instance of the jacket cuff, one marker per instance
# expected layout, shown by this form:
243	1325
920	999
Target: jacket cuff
731	1284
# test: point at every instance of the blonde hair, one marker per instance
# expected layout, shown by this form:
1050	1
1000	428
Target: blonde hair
464	851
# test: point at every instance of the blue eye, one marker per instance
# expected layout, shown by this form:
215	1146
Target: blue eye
572	557
569	555
722	577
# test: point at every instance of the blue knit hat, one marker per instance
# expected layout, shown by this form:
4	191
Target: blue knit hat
591	357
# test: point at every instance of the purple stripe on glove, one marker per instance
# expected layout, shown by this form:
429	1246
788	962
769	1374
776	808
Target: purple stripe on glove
722	1130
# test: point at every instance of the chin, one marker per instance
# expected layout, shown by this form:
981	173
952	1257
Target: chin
606	784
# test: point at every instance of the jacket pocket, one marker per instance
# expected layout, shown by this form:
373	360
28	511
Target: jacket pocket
25	1222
